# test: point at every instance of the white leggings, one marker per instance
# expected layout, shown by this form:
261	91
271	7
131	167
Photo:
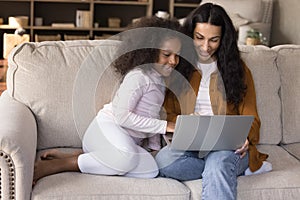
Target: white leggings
109	150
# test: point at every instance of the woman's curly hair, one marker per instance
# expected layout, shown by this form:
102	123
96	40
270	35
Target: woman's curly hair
229	62
141	42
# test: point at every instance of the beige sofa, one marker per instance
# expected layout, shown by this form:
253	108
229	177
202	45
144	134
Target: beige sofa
56	88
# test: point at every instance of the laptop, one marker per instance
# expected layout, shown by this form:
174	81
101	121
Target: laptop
210	133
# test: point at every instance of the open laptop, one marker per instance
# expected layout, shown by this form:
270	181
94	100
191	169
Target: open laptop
210	133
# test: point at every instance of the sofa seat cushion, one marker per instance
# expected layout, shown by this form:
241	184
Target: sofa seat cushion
77	186
281	183
261	61
293	149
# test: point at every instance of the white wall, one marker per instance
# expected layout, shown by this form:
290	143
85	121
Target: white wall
286	22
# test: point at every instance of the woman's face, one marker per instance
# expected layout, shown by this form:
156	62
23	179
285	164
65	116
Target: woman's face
168	56
207	39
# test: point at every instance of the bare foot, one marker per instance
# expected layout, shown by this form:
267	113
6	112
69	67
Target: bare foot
56	154
44	168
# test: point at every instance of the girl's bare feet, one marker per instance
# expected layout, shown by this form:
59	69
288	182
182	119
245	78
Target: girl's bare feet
56	154
44	168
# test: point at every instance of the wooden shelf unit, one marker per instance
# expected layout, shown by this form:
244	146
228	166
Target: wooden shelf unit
52	11
181	9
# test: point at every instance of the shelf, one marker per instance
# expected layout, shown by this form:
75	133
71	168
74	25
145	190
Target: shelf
180	9
65	11
6	26
63	1
138	3
15	1
109	29
186	5
60	28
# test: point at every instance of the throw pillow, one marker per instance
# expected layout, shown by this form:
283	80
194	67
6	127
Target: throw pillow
248	9
237	20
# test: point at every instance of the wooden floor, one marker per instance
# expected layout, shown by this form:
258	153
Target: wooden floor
3	69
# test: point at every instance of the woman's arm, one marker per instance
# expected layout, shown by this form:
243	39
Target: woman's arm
171	107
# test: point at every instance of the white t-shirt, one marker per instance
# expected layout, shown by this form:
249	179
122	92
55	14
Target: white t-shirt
203	104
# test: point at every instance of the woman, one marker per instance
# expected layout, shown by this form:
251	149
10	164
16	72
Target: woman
221	85
119	139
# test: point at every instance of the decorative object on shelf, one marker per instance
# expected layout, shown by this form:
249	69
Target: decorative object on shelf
1	20
63	25
83	18
162	14
18	21
114	22
253	37
20	31
12	40
41	38
38	21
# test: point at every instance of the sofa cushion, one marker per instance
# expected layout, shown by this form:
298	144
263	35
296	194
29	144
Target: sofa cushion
293	149
77	186
261	62
289	68
237	20
281	183
248	9
64	104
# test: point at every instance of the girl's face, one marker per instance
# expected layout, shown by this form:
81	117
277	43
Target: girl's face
207	39
168	56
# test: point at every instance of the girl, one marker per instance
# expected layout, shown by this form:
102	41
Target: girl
113	143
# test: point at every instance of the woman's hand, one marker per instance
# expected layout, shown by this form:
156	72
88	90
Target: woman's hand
170	127
243	150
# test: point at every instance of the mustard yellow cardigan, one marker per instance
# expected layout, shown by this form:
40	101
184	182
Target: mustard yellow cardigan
185	102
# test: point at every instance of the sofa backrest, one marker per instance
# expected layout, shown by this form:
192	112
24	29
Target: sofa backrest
288	62
261	61
64	84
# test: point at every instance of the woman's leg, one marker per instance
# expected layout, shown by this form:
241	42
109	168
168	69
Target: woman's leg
220	175
179	165
146	168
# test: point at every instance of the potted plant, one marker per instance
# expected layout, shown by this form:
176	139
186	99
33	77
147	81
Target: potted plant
253	37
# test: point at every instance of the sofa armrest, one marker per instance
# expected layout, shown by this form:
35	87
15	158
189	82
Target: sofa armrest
18	140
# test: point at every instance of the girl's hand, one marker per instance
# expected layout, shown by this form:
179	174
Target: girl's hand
170	127
243	150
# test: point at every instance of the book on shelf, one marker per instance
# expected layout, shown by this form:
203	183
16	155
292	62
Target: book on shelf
83	18
63	25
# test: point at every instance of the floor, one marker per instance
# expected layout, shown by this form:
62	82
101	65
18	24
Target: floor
3	69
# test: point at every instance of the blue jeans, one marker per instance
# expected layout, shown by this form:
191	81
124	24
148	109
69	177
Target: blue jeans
218	169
